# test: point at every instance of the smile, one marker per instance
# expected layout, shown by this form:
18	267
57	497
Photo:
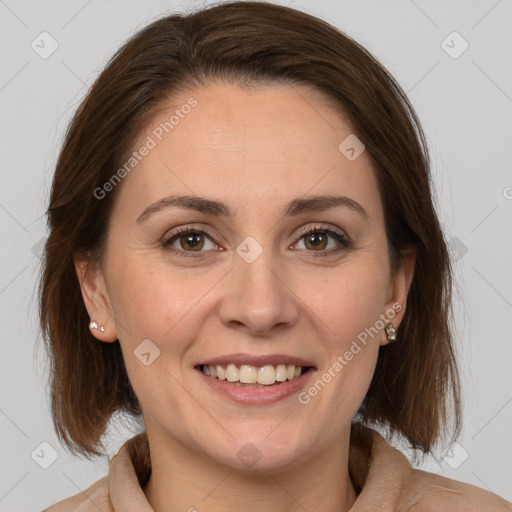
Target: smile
266	375
265	387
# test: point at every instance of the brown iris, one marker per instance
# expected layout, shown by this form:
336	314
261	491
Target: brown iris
318	240
190	240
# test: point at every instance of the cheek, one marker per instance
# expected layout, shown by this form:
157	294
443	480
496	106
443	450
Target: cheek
155	320
348	302
166	305
152	297
347	312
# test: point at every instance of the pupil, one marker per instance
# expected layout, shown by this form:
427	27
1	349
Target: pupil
191	240
316	239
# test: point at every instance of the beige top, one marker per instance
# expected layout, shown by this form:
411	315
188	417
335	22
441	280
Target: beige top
382	476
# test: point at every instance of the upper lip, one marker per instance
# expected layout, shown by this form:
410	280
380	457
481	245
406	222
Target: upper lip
253	360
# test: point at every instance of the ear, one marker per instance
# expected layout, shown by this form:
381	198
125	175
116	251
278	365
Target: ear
399	289
96	299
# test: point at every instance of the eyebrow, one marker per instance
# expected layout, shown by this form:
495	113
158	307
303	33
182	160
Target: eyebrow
212	207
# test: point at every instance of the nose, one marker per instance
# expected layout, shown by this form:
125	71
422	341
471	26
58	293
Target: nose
260	297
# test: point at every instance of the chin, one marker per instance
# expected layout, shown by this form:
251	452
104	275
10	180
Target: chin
259	454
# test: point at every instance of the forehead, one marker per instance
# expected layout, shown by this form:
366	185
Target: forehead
255	145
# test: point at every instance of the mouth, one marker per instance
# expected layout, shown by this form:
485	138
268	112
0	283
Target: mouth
254	376
255	380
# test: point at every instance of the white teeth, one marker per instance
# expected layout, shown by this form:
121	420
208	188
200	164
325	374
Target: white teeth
221	373
247	374
267	375
281	372
232	373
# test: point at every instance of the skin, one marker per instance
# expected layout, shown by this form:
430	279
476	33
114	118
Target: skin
256	150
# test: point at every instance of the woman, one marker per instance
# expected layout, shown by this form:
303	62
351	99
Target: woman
241	222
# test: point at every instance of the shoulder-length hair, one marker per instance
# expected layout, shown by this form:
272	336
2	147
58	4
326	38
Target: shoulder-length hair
415	387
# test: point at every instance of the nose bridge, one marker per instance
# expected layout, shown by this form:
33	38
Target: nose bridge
258	273
259	297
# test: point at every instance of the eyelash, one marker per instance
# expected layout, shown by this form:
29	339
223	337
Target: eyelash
337	235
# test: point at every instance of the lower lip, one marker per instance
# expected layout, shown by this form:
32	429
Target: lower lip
257	395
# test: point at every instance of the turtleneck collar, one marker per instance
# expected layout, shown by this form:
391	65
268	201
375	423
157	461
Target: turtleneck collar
382	477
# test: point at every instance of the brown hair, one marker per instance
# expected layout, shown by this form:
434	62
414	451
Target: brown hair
416	382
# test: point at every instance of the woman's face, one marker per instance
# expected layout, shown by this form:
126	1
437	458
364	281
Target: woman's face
247	278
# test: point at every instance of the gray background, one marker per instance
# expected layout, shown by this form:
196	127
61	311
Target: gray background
465	105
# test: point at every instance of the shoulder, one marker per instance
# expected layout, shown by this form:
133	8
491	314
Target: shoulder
94	498
428	492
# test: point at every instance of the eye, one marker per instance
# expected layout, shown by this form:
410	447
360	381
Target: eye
317	240
189	241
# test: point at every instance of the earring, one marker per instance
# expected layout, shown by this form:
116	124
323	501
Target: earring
391	332
94	325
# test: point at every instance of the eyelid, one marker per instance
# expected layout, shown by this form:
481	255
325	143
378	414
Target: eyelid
323	227
192	228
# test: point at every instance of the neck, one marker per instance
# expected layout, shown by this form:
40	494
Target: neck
186	480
